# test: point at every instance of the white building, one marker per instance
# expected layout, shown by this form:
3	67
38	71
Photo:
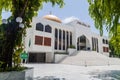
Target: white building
48	35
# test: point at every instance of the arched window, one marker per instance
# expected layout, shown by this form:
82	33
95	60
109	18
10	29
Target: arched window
48	29
106	41
83	39
103	41
39	27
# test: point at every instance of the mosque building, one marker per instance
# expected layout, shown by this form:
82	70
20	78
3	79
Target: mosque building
49	35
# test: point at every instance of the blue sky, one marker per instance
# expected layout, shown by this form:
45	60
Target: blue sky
76	8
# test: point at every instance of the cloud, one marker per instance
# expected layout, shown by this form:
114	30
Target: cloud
70	19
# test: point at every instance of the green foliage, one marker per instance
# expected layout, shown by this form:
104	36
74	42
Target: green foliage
115	42
105	13
26	9
72	46
1	63
64	53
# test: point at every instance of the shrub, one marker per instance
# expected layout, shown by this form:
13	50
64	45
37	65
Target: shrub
72	46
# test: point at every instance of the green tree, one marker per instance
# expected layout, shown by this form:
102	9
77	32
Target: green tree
105	13
115	43
12	33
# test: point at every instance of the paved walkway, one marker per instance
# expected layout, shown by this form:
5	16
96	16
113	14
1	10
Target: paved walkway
67	72
76	67
87	58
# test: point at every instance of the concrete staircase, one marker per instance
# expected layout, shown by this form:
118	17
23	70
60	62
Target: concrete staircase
90	58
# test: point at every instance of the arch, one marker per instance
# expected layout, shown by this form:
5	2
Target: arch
83	43
39	26
48	29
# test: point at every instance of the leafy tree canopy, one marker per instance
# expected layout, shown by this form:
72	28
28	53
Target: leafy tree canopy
25	8
115	42
105	13
11	34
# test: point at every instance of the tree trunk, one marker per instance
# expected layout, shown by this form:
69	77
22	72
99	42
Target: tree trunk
8	46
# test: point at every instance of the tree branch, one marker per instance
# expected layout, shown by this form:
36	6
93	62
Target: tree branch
25	6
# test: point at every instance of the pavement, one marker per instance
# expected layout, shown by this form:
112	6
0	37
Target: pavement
82	66
68	72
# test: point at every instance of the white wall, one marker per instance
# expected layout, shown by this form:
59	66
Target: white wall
76	29
71	51
49	57
59	57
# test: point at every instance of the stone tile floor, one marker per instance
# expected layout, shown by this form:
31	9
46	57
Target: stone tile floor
67	72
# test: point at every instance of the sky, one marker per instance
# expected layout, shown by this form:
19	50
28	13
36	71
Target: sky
72	8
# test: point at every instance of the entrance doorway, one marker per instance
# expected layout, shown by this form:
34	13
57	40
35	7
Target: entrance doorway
37	57
83	43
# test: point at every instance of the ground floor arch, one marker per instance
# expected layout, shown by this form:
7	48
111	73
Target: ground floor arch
83	43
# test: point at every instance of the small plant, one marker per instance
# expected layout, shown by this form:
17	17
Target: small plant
72	46
60	53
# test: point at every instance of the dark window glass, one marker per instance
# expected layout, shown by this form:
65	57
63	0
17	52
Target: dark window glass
70	38
103	41
63	40
38	40
60	39
83	39
92	43
97	46
78	46
95	43
106	41
67	40
56	38
39	27
48	28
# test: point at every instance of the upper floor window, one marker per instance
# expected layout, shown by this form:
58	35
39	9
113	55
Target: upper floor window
103	41
39	27
48	28
106	41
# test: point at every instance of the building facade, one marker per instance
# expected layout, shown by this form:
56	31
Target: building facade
48	35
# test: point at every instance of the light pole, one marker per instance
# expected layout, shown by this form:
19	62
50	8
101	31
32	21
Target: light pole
18	20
